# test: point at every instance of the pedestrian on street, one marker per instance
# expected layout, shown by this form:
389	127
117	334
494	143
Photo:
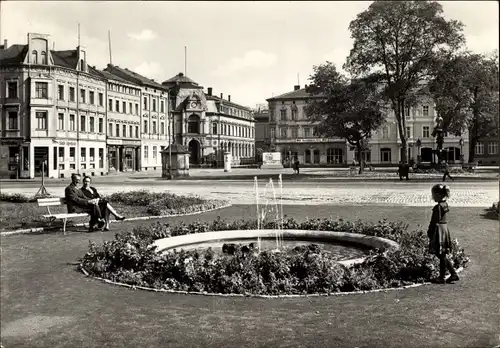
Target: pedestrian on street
447	172
403	171
439	235
296	166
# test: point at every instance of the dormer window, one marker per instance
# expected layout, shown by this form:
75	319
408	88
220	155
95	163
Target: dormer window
34	57
44	57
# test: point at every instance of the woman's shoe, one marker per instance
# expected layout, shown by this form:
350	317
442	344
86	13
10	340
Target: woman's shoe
106	229
452	278
121	218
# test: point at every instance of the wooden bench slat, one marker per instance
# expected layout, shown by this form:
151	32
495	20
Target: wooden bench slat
43	202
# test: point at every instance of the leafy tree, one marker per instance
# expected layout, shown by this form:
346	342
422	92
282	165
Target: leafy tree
397	43
351	110
465	89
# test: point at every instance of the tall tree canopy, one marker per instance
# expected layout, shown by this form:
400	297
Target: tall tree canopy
351	110
398	42
465	89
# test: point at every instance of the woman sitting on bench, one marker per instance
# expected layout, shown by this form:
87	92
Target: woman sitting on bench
104	205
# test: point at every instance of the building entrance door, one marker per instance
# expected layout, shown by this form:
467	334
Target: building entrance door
41	154
194	151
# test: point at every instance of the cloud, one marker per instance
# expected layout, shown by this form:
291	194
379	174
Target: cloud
254	59
150	70
144	35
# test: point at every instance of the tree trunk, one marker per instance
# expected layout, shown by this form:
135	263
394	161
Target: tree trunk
360	158
473	130
472	148
398	107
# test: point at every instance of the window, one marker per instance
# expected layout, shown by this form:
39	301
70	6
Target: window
83	154
117	127
162	128
408	132
479	148
110	104
42	90
194	124
366	155
273	133
137	109
493	148
13	125
145	103
12	89
60	121
283	114
154	127
72	124
146	154
101	125
72	94
214	128
44	57
110	129
154	104
130	109
101	158
316	156
283	132
92	154
146	127
407	112
61	154
294	114
385	133
124	130
307	132
137	131
117	105
83	123
130	131
82	96
41	120
155	150
60	92
34	57
385	155
101	99
72	154
91	97
124	107
334	155
162	106
295	133
425	132
425	110
91	124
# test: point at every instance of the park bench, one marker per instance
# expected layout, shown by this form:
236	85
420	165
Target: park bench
48	202
470	167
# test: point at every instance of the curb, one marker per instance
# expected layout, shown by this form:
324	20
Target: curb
134	287
41	229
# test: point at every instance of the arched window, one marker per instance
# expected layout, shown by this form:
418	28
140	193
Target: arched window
385	155
34	57
334	155
194	124
44	57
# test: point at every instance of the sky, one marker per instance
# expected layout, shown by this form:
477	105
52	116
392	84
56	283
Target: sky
249	50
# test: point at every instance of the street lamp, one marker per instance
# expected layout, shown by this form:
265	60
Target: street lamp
438	132
461	142
419	156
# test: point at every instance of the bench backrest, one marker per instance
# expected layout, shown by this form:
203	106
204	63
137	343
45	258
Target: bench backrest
45	202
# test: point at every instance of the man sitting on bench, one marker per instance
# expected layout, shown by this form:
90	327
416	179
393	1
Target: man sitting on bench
77	202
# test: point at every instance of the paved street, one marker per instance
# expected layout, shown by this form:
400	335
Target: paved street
464	194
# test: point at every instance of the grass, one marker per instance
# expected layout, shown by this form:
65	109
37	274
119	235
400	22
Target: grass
47	303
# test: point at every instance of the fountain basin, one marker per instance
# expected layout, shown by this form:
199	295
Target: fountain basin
197	240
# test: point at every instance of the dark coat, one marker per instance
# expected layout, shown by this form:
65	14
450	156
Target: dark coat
438	232
76	201
89	194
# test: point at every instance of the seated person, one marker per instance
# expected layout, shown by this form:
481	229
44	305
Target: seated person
104	205
77	202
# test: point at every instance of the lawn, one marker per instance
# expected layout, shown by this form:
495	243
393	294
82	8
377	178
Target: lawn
47	303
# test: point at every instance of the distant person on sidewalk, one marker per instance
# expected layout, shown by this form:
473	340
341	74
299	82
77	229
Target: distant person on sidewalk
447	171
296	167
403	170
439	235
104	206
78	202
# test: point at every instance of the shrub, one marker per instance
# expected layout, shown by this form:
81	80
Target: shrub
16	198
131	259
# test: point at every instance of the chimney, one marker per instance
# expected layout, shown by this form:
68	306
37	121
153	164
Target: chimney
5	46
296	87
228	98
209	91
222	96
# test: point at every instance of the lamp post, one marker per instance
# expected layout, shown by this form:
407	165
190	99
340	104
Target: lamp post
438	132
419	156
461	142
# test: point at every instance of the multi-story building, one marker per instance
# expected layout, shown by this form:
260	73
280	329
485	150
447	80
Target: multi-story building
292	134
486	151
154	116
208	125
262	133
123	138
52	111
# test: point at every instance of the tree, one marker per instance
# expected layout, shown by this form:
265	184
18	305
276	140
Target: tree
397	43
465	89
351	110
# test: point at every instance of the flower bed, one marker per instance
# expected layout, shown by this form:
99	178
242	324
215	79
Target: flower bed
131	259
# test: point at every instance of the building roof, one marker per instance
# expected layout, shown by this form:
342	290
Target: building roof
132	76
176	148
181	80
109	76
297	94
13	55
67	59
226	102
261	115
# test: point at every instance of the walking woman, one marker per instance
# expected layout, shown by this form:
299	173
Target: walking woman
439	235
106	208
